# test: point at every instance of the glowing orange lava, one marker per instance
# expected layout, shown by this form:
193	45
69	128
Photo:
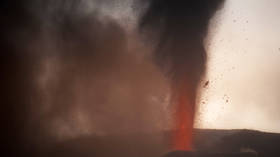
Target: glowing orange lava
184	119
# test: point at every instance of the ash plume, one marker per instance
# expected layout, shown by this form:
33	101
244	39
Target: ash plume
71	73
179	28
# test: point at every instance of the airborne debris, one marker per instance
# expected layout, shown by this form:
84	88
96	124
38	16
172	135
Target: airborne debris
206	84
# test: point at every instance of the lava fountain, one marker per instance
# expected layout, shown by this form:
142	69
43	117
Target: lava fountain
183	119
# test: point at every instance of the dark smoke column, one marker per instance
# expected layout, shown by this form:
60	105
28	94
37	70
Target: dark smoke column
180	27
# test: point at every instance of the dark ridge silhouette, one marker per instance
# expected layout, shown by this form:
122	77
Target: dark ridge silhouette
201	154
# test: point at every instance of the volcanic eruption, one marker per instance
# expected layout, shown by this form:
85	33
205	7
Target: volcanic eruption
78	51
181	27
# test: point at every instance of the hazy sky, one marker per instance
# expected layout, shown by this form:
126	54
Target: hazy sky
243	68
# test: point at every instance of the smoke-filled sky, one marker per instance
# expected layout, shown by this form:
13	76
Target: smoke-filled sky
243	68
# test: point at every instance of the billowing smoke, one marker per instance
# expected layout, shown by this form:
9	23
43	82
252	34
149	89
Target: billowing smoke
180	27
72	72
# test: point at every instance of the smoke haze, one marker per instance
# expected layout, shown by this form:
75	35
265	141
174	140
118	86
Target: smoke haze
72	70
